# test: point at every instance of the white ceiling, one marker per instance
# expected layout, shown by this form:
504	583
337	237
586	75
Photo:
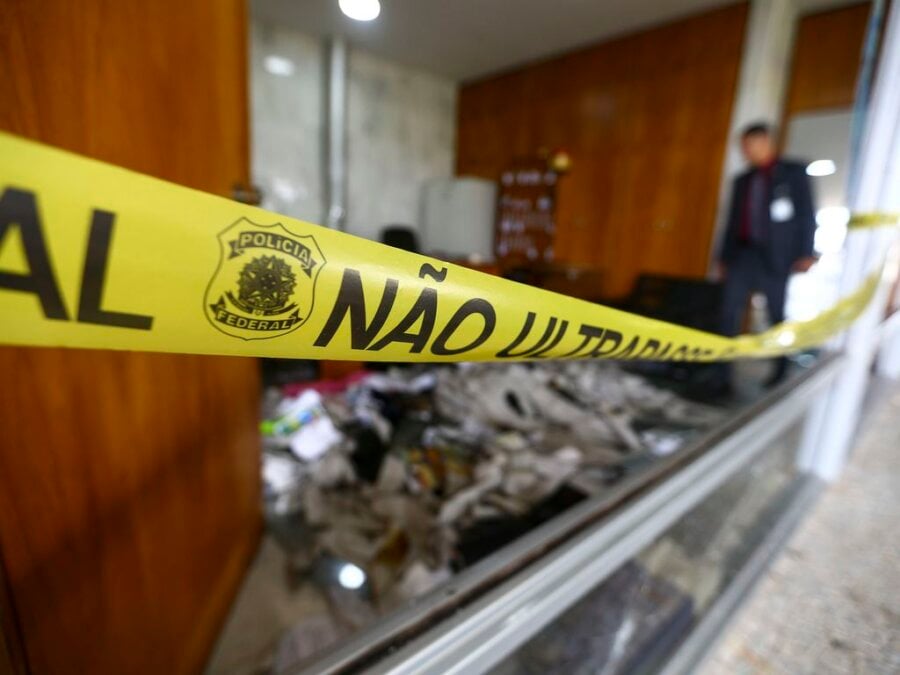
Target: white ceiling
468	39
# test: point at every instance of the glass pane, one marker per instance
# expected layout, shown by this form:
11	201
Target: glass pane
382	486
635	618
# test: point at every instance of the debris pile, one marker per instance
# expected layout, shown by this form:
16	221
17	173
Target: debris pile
388	483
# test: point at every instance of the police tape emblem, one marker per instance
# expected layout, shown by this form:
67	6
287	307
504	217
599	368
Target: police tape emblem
265	283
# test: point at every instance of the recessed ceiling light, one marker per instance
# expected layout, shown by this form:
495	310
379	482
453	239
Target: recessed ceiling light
361	10
278	65
821	167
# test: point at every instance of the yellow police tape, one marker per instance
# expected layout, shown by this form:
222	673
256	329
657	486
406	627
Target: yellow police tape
861	220
96	256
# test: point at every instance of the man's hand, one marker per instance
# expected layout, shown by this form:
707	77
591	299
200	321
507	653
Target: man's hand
720	271
803	264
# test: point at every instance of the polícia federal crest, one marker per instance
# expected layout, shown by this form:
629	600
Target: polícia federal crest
265	283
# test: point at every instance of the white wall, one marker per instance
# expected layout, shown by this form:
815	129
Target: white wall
401	133
822	135
400	123
286	122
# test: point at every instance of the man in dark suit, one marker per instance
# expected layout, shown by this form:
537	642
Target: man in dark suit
769	234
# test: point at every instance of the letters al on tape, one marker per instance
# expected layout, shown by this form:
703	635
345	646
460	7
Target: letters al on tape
99	257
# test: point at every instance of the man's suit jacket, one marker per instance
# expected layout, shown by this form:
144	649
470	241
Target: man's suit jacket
787	239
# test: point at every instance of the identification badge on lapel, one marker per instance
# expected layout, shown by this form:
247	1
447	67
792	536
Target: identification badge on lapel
781	209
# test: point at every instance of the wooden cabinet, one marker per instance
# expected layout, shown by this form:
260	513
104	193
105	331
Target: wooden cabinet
129	483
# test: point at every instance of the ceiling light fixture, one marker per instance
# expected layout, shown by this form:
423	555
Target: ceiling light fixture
360	10
821	167
278	65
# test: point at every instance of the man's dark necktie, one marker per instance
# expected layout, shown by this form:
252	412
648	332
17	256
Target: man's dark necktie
756	194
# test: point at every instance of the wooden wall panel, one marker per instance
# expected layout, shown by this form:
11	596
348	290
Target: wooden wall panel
827	55
645	119
129	483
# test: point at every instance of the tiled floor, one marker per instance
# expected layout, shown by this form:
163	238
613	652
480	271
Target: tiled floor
831	601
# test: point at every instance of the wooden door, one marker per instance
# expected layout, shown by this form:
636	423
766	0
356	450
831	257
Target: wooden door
129	483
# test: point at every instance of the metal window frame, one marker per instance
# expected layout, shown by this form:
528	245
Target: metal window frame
481	634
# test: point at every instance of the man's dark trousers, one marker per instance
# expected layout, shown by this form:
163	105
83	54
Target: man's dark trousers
749	273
